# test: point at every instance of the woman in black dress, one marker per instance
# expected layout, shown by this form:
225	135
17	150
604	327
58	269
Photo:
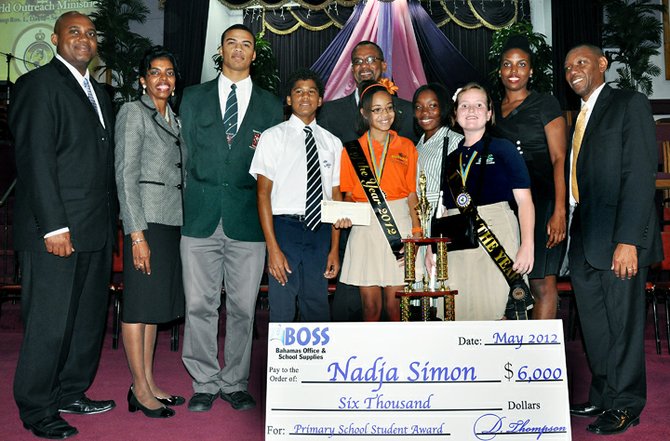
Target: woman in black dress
149	158
534	123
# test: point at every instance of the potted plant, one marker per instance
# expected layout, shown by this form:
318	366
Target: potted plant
119	49
634	31
543	78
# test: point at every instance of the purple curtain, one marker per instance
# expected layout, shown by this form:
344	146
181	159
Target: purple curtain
385	35
442	62
325	64
408	71
388	25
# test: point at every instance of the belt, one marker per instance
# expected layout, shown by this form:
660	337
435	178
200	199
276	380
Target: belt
298	217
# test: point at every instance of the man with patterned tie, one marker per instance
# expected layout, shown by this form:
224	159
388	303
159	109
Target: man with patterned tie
614	237
222	121
297	165
64	228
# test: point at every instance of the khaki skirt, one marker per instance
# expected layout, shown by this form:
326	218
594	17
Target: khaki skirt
482	289
368	259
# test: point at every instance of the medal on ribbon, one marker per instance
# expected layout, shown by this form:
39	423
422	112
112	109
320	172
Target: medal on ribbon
464	199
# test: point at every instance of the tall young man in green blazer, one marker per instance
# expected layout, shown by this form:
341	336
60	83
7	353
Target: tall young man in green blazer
222	121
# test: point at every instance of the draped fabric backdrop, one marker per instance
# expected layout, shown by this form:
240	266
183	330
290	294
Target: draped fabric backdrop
387	24
305	36
184	34
575	22
315	30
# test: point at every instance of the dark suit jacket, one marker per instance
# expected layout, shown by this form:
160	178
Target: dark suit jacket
64	160
339	118
616	173
218	184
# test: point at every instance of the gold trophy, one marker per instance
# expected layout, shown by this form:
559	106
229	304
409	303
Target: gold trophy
423	207
425	294
423	211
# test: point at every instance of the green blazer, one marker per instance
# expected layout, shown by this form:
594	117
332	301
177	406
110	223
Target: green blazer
218	184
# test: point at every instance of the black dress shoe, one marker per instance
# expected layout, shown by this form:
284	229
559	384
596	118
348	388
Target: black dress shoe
134	406
585	410
51	427
201	402
86	406
239	400
613	421
173	400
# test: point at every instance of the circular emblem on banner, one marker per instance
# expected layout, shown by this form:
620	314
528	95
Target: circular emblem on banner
518	293
33	47
463	199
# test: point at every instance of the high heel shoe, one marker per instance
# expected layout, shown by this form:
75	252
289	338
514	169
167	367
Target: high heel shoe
134	406
172	400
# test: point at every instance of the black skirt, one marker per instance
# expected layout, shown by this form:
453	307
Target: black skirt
547	260
159	297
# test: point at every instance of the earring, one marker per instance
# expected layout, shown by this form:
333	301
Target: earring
144	89
172	92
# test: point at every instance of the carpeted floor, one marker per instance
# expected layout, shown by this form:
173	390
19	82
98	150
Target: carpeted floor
224	423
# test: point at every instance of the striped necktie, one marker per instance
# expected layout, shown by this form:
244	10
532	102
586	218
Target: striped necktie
89	94
580	126
314	193
230	115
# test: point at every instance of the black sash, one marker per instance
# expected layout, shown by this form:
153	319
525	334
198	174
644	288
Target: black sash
520	300
375	197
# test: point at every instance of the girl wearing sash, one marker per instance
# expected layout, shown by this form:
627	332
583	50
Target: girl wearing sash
369	261
482	289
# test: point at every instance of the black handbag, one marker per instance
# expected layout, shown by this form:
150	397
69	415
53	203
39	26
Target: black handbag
460	228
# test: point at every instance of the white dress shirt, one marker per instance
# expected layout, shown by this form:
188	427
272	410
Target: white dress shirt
280	156
243	94
80	79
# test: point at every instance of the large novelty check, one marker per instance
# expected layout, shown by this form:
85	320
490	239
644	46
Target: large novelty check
434	380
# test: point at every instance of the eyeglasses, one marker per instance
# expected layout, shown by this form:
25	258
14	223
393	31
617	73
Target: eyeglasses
379	110
367	60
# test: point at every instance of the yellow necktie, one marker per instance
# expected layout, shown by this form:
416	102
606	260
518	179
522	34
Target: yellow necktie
577	136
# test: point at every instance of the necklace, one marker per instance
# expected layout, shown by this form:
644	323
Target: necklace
378	166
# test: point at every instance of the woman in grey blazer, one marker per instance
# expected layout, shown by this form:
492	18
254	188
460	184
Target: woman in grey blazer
149	159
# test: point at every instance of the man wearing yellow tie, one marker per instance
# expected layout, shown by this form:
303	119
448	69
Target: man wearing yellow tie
614	237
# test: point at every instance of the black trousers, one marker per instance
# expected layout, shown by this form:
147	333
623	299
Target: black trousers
64	307
346	305
612	315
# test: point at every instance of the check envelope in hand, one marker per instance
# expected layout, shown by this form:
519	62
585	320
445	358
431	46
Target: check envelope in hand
331	211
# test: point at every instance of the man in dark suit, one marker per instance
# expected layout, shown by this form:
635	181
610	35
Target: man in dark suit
614	237
222	122
340	118
62	122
